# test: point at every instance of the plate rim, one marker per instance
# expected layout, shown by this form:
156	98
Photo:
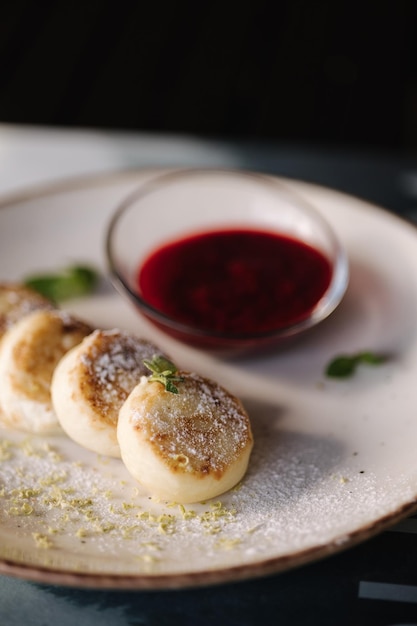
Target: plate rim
205	578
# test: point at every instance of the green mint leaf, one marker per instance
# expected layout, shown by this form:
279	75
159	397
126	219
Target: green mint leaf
344	366
164	372
169	386
341	367
160	365
69	283
371	358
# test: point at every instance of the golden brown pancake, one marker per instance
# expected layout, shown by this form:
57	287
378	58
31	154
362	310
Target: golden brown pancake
92	381
29	352
185	447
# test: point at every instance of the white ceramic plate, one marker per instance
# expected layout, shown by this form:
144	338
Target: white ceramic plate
334	461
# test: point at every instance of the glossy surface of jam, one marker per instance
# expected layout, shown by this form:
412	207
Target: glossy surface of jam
235	281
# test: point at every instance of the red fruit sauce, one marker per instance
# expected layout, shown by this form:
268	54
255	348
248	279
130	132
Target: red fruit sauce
235	281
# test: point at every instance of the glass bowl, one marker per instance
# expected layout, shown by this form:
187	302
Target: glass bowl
202	207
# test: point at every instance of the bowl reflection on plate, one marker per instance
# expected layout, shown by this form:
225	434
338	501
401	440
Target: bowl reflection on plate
180	205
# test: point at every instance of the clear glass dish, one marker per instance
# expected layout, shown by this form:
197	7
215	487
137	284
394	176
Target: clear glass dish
179	204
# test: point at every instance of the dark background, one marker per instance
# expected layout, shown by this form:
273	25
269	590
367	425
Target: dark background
330	73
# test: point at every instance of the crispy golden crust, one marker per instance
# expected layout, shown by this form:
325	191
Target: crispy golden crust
29	353
201	430
108	366
92	381
16	301
46	338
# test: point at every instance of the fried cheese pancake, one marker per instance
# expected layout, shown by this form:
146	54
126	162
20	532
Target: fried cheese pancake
29	352
17	301
184	447
92	381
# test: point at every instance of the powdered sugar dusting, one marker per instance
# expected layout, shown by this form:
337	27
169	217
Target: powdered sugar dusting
203	423
66	508
113	365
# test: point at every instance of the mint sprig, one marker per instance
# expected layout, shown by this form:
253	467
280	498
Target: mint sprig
71	282
345	365
164	372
